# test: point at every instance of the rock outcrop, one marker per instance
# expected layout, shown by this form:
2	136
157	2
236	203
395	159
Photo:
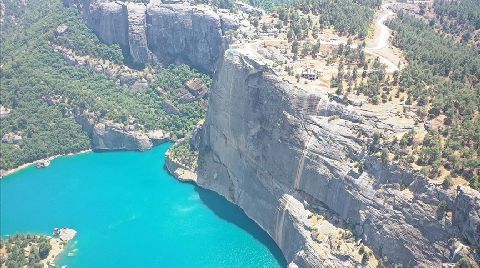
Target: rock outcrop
295	161
283	154
4	112
179	170
12	138
171	33
197	87
108	135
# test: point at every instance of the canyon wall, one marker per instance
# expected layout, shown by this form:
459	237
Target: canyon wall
110	136
157	32
284	154
295	161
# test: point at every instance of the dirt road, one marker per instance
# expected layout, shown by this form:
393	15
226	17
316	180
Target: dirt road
379	44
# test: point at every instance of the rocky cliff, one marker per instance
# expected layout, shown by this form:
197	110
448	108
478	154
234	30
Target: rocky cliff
171	33
288	157
106	135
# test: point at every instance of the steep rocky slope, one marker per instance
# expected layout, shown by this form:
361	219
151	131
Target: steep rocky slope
171	33
107	135
285	155
295	161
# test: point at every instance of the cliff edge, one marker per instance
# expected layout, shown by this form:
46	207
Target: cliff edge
169	33
289	157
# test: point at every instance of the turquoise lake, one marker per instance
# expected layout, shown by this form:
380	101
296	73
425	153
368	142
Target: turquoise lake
129	212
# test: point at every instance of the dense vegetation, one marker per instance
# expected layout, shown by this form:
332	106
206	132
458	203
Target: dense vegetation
32	71
459	18
346	16
183	153
443	77
38	247
443	57
351	17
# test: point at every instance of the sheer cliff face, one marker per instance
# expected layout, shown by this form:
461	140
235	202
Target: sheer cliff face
283	154
171	33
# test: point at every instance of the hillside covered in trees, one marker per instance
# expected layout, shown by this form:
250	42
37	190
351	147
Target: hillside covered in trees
443	77
460	19
25	250
44	93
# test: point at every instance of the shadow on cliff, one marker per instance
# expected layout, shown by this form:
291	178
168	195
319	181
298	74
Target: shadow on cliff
234	214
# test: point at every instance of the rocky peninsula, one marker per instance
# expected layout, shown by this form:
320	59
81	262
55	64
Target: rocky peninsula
34	250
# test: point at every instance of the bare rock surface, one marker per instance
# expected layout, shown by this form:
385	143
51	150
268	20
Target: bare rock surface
197	87
107	135
4	112
283	154
137	36
169	32
12	138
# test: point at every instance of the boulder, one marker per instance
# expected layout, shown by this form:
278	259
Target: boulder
183	95
61	29
168	107
197	87
139	86
4	112
11	138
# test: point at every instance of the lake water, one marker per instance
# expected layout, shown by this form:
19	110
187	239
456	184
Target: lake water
129	212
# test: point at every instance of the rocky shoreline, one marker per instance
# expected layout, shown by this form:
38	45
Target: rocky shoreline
178	170
5	173
55	245
181	171
110	136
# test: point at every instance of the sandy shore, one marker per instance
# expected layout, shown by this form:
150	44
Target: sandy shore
13	170
59	243
57	247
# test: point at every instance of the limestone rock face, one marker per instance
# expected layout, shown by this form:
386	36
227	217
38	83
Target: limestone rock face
108	19
182	33
137	36
283	154
171	33
109	136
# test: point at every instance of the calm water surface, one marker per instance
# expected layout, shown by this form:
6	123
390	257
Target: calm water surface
129	212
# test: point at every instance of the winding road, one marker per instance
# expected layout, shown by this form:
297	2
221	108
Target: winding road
379	45
382	32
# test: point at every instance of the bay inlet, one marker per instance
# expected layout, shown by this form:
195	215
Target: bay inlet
129	212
